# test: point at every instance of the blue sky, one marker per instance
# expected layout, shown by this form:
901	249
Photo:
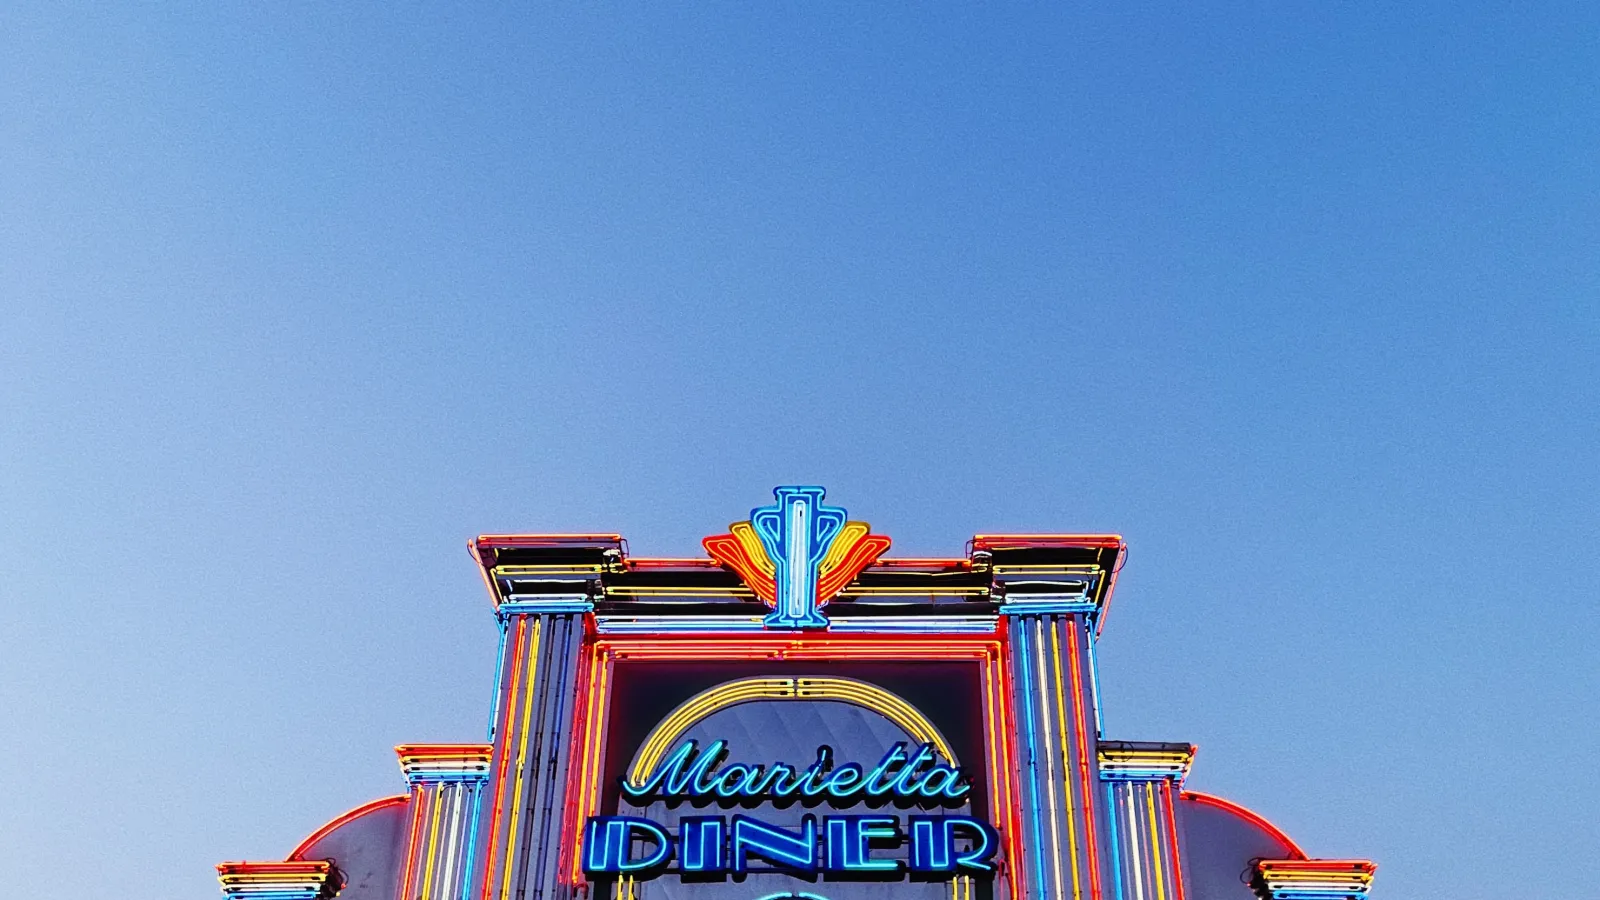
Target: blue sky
1301	298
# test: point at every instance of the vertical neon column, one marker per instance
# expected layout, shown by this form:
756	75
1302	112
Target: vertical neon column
1054	709
1141	784
1052	590
532	739
447	783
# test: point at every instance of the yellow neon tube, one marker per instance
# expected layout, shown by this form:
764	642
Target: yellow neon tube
521	757
1066	767
433	840
1155	842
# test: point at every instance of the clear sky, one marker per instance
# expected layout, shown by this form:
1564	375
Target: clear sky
1299	297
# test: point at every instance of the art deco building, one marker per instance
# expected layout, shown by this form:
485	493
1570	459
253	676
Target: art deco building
798	715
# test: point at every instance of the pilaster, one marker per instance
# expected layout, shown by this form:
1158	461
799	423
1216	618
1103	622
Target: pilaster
447	782
542	608
1141	785
1055	718
1051	591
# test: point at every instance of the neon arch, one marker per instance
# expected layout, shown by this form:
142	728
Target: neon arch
298	853
1248	815
749	690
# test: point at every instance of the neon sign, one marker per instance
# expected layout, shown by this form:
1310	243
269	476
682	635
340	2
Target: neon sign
797	554
836	845
686	773
842	845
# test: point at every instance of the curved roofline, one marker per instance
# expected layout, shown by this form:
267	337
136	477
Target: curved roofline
1247	815
358	812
